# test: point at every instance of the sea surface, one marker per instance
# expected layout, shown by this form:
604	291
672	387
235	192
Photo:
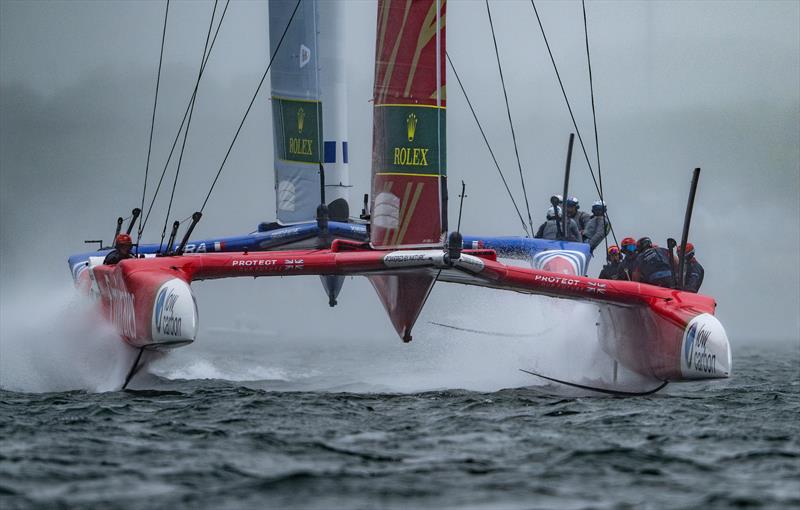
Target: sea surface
216	443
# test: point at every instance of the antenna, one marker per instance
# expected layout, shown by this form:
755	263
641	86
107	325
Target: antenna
195	218
566	183
461	204
687	220
134	216
116	232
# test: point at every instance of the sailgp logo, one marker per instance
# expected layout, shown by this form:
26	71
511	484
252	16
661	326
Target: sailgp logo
167	322
305	55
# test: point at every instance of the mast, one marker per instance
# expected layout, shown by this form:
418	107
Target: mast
409	157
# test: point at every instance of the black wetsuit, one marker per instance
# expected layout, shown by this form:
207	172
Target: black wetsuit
694	275
115	256
653	267
611	271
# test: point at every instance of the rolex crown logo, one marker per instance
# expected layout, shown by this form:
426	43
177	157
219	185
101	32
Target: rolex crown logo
411	124
301	117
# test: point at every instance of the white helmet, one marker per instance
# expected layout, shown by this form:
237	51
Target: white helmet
599	207
551	213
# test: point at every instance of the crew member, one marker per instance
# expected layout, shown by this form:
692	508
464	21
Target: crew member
597	227
122	250
653	264
611	271
555	224
580	217
692	269
629	252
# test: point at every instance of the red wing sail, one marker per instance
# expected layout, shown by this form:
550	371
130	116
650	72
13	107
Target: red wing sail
408	147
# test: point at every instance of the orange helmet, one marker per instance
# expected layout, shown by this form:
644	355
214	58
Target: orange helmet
613	249
629	244
124	239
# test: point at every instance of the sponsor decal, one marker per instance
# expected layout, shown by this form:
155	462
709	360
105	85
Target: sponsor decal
305	55
168	322
596	287
299	145
293	264
557	281
254	263
413	144
696	351
411	156
406	156
299	123
574	259
285	233
197	248
411	126
122	310
406	259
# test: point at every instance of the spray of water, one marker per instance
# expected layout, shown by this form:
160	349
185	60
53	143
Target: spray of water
507	331
53	339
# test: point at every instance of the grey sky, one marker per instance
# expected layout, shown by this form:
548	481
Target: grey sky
678	85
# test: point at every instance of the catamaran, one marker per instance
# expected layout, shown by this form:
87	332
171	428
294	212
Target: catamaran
401	242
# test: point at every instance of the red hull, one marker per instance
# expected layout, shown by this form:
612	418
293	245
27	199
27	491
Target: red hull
662	333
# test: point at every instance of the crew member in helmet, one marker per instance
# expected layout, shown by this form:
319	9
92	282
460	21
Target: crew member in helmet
653	264
580	217
611	271
122	250
597	227
554	225
692	269
628	263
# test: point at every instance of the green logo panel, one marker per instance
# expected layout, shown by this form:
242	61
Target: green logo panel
411	143
299	124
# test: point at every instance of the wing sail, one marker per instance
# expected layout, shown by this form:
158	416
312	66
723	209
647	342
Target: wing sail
409	149
308	72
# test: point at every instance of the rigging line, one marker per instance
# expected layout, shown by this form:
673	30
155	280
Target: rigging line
183	121
152	124
486	140
250	106
188	124
572	115
508	111
594	113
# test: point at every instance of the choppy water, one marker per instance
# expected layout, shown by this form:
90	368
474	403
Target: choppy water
221	444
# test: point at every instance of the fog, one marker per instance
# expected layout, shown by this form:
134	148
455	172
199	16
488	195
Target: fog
678	85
